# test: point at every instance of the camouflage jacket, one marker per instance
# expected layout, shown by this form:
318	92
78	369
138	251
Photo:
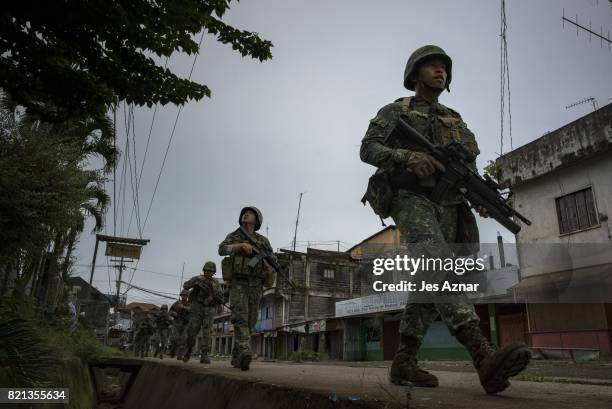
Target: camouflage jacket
179	311
241	261
433	120
162	320
145	326
199	294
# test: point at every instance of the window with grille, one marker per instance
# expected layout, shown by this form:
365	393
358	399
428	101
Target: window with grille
576	211
328	273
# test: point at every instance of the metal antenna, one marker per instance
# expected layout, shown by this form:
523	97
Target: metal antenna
584	101
589	30
297	221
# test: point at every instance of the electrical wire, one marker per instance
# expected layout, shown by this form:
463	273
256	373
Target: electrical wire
195	59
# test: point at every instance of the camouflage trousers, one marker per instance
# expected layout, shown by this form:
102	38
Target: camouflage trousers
244	299
160	340
429	228
141	342
200	317
178	337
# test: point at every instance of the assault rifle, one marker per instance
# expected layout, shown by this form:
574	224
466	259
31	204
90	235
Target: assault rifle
266	256
459	178
210	291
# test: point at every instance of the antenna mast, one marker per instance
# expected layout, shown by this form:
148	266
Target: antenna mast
297	221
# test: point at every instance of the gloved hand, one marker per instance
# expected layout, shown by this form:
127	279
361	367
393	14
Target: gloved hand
421	163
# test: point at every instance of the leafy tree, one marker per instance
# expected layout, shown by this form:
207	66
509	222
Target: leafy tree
46	192
67	58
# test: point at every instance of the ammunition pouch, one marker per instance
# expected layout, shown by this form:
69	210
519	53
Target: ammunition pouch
227	268
468	236
379	194
269	279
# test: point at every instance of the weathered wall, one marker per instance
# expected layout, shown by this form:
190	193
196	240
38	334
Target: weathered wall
536	201
572	143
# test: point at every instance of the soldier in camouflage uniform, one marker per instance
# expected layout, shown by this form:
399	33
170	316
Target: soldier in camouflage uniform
246	282
179	311
400	189
162	330
145	329
204	296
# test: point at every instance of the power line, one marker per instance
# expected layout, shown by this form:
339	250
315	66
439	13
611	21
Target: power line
195	59
137	202
167	149
133	172
150	132
504	80
162	294
133	268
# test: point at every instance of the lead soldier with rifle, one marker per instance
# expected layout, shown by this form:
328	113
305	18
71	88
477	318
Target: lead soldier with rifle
426	185
205	295
250	263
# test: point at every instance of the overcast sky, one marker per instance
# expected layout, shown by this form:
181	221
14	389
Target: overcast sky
294	124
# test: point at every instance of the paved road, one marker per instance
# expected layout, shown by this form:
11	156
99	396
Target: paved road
457	389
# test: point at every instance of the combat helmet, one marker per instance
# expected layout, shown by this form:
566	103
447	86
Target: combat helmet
209	266
164	307
421	54
184	292
258	216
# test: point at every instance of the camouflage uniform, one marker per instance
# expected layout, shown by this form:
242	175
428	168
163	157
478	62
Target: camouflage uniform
180	312
145	327
162	326
432	225
201	314
246	289
428	227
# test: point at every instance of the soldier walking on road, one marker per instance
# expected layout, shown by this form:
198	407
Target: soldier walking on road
205	295
401	189
179	311
246	272
145	328
162	328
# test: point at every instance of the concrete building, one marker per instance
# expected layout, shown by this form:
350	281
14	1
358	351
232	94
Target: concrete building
92	306
222	336
302	319
562	182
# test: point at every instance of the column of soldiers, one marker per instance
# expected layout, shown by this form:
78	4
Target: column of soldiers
243	270
402	188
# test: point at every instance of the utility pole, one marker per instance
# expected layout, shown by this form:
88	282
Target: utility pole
120	267
297	221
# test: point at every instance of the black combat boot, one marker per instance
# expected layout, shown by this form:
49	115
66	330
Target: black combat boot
235	362
244	360
204	359
405	369
494	366
186	356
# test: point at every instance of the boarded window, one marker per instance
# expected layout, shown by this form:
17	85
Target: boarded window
576	211
328	273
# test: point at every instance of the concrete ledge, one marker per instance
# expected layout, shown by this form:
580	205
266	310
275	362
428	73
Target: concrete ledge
175	385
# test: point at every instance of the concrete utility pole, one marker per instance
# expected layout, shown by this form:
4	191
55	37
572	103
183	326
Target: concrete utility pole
120	267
